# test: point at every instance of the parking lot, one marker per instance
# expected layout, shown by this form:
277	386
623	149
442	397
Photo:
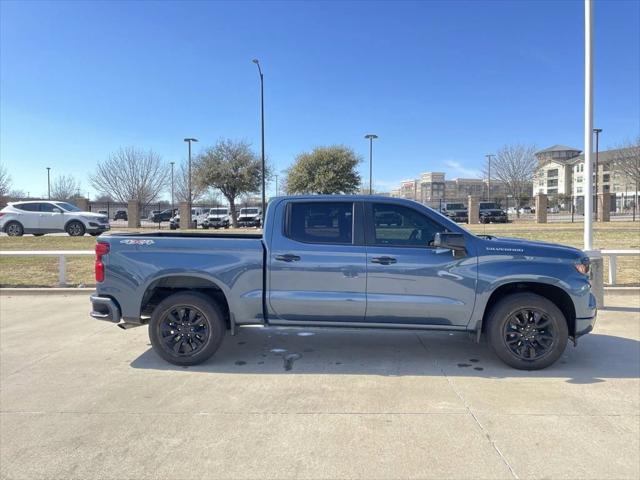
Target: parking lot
84	399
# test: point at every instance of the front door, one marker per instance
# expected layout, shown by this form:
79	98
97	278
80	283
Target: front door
317	265
409	281
51	218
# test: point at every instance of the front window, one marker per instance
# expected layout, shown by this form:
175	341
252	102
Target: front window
321	222
396	225
68	207
218	211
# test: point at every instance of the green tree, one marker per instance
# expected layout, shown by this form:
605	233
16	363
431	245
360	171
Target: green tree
231	167
325	170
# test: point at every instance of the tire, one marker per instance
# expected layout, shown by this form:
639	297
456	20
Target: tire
14	229
207	336
75	229
514	338
205	226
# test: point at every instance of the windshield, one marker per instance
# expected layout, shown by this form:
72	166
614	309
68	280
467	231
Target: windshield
68	207
488	205
249	211
455	206
218	211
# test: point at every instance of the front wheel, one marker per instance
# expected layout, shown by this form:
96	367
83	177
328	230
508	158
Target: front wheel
186	328
527	331
75	229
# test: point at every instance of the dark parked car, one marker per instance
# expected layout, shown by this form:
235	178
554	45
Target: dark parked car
456	212
163	216
121	215
491	212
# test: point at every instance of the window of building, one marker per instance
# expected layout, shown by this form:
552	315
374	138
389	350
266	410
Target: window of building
396	225
606	177
552	173
321	222
552	183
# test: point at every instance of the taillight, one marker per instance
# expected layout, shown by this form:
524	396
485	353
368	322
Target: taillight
101	250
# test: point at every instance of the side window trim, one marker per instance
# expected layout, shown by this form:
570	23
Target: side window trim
286	229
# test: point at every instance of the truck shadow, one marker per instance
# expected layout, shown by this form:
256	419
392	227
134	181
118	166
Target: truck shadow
399	353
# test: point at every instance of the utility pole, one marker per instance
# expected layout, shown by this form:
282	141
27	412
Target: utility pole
172	164
190	199
371	137
49	183
264	202
489	157
588	124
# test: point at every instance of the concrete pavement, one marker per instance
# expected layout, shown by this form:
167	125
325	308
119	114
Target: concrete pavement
83	399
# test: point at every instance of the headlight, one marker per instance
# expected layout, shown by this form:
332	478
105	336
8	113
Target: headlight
583	266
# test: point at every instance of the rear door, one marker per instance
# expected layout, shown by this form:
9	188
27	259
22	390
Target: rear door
409	281
317	262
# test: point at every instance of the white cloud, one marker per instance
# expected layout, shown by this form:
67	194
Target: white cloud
456	169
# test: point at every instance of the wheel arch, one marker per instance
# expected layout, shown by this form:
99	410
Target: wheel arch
9	222
164	286
559	297
71	220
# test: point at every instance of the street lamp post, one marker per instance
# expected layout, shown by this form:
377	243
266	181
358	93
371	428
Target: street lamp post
371	137
489	157
597	132
172	164
257	62
190	198
49	183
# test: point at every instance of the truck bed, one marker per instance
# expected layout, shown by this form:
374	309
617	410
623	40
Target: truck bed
173	234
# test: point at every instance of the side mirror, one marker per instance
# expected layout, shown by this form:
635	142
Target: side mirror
57	210
452	241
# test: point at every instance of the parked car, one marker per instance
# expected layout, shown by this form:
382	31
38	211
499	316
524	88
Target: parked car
491	212
121	215
198	215
161	216
103	212
553	209
527	210
456	212
218	218
40	217
250	217
528	298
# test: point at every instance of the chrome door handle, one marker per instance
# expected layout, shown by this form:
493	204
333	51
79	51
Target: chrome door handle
288	257
383	260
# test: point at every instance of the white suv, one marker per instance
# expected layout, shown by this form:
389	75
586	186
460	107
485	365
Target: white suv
41	217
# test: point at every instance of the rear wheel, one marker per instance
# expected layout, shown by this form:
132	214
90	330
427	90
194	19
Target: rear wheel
75	229
527	331
14	229
186	328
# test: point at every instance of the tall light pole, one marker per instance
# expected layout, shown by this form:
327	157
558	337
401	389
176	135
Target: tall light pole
257	62
588	124
371	137
597	132
489	157
172	164
190	199
49	183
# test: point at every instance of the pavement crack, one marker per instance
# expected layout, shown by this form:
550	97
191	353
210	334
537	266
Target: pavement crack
472	414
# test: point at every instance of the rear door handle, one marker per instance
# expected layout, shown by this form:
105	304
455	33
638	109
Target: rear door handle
288	257
383	260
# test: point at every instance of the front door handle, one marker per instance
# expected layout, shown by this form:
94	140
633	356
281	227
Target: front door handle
288	257
383	260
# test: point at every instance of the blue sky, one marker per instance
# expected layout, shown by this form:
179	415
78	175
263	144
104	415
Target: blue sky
441	83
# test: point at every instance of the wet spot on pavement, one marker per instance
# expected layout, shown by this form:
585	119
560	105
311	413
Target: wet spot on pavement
478	368
474	360
241	343
289	359
240	362
462	365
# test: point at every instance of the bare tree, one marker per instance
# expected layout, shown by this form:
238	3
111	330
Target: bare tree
5	181
131	174
181	185
627	160
514	166
64	187
231	167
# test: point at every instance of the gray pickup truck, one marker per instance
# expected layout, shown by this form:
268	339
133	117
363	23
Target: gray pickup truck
337	261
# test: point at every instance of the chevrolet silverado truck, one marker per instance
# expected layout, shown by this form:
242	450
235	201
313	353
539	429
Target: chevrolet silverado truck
334	261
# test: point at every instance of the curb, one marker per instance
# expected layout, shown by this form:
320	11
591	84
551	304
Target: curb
5	292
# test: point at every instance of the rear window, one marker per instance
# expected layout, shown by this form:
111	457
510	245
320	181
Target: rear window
321	222
27	207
